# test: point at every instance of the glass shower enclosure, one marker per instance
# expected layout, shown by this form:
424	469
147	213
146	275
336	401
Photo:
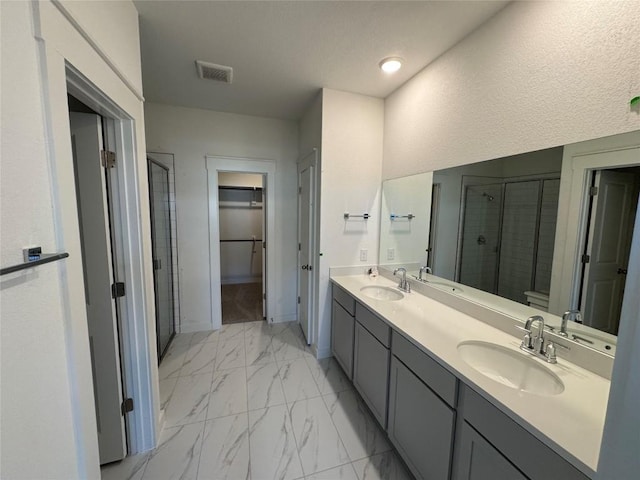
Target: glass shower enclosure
159	200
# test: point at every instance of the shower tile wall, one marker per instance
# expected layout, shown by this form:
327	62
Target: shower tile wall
480	239
547	234
518	239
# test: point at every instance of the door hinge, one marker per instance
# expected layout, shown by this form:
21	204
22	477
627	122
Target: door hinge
299	246
299	190
127	405
264	245
585	258
593	191
264	296
107	158
298	300
157	263
117	290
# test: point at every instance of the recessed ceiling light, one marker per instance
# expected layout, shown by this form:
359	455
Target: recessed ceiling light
391	64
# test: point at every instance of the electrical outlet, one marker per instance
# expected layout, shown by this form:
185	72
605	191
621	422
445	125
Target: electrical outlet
363	255
391	253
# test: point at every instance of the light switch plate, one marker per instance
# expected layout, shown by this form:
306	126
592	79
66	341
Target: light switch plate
363	255
391	253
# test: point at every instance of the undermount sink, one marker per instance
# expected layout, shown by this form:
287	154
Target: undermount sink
511	368
381	293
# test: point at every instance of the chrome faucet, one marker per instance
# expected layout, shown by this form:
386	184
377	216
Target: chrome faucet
422	270
404	285
537	345
573	315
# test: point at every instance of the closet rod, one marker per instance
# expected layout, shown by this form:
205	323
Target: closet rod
229	187
243	240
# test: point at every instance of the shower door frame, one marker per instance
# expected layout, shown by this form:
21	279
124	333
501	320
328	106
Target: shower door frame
153	250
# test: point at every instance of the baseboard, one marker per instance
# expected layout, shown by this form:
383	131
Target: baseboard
321	353
285	318
195	327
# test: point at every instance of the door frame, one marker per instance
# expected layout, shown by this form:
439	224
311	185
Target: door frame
214	165
579	161
129	266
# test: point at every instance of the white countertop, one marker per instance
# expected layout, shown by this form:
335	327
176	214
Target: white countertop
571	423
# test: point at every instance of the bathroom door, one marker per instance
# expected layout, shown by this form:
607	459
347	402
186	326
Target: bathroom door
95	242
610	230
162	258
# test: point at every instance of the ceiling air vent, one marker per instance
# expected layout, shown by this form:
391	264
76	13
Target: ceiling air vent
211	71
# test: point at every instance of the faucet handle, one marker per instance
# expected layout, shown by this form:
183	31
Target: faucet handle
550	353
527	341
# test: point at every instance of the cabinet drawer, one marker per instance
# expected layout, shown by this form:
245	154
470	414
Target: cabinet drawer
427	369
342	325
421	425
343	298
371	372
522	449
377	327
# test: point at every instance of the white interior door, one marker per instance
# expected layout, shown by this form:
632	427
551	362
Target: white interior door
610	230
305	247
86	139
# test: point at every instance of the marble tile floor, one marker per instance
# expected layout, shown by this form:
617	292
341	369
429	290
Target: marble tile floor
251	402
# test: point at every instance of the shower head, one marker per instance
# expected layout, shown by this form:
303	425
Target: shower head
489	197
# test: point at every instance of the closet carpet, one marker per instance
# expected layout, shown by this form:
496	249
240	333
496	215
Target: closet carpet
241	302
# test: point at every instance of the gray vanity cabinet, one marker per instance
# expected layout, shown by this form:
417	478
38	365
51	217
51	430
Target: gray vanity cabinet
421	425
422	417
479	460
490	438
342	329
371	362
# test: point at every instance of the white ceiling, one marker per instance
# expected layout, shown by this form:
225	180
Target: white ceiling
283	52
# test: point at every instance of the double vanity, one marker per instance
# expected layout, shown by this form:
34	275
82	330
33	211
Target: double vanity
458	398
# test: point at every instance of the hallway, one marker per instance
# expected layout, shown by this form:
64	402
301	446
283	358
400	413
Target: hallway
251	402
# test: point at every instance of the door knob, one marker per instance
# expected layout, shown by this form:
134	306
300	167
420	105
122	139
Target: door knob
304	267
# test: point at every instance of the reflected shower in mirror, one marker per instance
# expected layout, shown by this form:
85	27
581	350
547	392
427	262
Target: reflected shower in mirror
547	230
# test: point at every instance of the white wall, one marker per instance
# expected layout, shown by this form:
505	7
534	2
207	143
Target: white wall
191	134
48	416
351	148
538	74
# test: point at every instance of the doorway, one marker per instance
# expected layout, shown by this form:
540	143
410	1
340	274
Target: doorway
609	229
93	182
266	169
241	223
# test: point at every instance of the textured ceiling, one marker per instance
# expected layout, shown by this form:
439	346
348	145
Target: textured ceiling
282	52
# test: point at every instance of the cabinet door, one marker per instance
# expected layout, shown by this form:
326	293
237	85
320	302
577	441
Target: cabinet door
421	425
479	460
371	372
342	325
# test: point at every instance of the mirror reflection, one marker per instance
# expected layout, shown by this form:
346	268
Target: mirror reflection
494	226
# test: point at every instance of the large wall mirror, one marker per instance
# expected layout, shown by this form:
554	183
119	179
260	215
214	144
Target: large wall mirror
548	231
